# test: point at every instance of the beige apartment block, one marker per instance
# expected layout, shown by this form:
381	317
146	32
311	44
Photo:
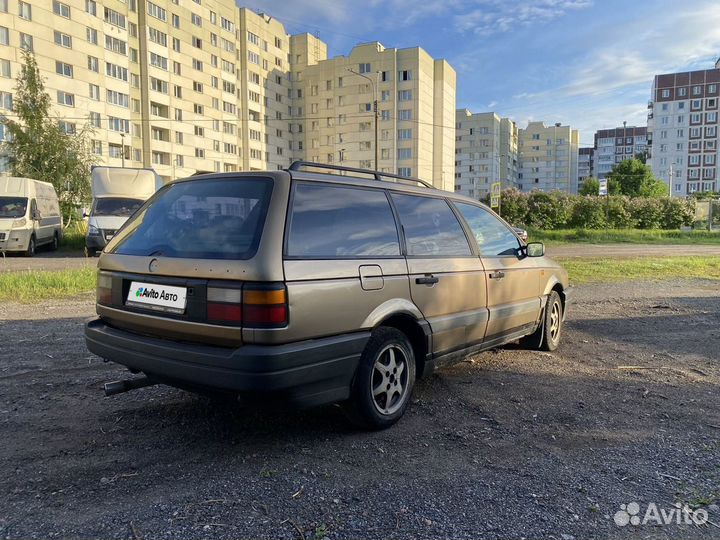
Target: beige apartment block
333	114
486	151
181	87
548	158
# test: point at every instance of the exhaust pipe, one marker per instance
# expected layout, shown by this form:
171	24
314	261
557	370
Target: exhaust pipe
118	387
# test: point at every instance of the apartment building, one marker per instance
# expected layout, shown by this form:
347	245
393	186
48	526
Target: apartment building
586	165
616	145
486	151
183	88
683	130
333	109
548	157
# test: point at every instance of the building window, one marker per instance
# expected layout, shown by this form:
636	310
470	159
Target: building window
404	153
404	134
63	40
196	19
404	171
405	95
115	45
94	92
5	69
65	98
156	11
66	70
6	101
114	18
365	68
61	9
25	11
697	90
91	7
682	92
405	75
4	36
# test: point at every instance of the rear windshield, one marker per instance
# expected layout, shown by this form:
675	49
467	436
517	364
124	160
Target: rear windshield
13	207
116	206
200	219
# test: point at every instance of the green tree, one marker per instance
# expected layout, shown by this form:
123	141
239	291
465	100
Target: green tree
39	148
635	179
590	186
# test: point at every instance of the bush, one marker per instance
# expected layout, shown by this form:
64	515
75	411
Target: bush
677	213
619	213
548	210
514	207
647	212
556	210
589	213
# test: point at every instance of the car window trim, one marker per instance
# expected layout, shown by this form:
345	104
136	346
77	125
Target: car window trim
461	222
474	240
289	215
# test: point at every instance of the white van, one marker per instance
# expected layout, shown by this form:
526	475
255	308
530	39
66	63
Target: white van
29	215
117	193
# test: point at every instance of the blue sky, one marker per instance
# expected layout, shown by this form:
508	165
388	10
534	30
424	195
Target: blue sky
588	63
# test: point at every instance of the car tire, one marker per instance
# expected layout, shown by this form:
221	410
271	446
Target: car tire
55	242
547	336
30	251
384	380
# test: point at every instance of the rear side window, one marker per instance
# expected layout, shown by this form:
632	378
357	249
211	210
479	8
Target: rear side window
431	228
493	237
200	219
341	222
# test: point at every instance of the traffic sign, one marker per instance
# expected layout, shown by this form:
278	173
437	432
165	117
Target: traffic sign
495	189
603	187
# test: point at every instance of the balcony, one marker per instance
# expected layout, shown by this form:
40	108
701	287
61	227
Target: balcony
650	104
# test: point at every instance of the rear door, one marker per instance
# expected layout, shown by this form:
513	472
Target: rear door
343	262
513	279
447	281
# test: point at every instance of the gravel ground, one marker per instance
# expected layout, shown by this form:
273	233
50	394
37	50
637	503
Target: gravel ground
64	260
508	444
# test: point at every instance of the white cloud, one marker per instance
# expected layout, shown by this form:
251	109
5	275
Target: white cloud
490	16
611	82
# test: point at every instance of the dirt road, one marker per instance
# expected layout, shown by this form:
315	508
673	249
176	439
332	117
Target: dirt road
515	443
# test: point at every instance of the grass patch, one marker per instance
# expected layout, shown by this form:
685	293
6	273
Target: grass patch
29	287
623	236
597	270
74	237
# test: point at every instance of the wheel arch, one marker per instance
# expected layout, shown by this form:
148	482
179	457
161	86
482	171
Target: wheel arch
418	333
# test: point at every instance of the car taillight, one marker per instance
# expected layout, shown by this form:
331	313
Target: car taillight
265	306
224	305
259	306
103	292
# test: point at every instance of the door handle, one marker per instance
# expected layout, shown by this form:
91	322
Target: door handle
497	275
427	280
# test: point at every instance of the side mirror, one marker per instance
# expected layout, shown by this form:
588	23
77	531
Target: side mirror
535	249
36	215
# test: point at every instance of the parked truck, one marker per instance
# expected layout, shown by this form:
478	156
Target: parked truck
29	215
117	192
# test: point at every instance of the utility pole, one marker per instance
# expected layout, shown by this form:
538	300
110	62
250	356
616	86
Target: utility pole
376	112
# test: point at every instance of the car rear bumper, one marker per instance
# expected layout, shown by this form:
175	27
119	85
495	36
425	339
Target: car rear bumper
306	373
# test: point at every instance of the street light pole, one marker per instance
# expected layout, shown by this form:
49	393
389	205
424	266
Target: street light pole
122	152
376	112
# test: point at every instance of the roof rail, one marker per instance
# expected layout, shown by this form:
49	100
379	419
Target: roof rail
297	165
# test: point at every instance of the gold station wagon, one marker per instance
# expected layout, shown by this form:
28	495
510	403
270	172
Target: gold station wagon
318	284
